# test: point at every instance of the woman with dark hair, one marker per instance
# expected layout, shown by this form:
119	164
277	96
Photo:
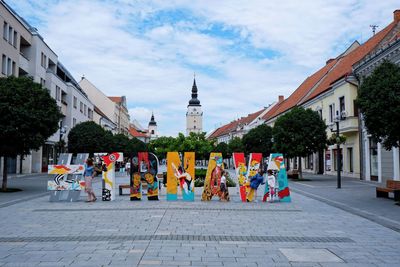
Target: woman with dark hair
89	175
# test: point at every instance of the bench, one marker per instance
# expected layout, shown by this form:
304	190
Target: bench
391	187
293	174
123	186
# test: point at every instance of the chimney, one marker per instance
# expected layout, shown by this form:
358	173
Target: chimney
396	15
329	61
281	98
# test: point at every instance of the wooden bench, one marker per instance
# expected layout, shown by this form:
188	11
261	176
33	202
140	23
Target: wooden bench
391	187
123	186
293	174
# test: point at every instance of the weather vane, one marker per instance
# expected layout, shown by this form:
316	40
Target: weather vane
373	27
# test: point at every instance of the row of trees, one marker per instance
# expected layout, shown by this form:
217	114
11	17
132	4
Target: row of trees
89	137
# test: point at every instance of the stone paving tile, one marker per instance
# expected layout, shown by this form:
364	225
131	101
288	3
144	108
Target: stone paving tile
372	244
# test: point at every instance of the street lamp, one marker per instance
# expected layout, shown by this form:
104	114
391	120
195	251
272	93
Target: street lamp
336	121
63	130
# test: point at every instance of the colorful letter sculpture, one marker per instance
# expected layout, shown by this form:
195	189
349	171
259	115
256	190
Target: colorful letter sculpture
241	173
182	174
144	168
62	171
277	163
109	160
254	165
213	178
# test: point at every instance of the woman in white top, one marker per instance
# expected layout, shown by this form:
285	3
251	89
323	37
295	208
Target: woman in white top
271	184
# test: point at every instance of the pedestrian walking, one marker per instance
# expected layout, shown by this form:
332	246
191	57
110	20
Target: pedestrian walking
128	168
89	174
271	180
222	186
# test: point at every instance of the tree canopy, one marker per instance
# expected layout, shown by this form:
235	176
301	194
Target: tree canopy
379	101
28	117
194	142
258	140
299	133
89	137
236	145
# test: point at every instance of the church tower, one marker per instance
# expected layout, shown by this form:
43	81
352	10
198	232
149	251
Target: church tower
152	128
194	115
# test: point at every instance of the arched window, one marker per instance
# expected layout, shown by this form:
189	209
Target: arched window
194	127
152	131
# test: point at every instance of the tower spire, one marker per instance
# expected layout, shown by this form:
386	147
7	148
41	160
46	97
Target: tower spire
194	101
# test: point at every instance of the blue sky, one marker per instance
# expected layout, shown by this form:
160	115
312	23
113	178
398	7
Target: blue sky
244	53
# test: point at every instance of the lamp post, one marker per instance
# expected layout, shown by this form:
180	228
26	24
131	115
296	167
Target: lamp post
63	130
337	119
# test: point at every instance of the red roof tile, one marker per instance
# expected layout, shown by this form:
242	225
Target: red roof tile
230	127
116	99
345	63
301	91
136	133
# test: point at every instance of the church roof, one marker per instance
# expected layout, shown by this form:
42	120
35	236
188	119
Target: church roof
152	121
194	101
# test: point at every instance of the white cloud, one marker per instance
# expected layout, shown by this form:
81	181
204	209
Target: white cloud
125	48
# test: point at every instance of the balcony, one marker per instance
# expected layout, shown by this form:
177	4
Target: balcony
350	124
23	62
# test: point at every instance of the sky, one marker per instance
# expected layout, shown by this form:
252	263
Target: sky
245	53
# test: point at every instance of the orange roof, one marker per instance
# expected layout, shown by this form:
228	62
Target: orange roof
136	133
301	91
116	99
230	127
345	63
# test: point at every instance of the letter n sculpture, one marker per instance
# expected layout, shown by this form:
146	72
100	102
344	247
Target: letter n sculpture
109	160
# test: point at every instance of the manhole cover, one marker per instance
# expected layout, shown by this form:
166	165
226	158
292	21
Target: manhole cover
310	255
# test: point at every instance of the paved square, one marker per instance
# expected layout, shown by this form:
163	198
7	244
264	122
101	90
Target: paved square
126	233
309	255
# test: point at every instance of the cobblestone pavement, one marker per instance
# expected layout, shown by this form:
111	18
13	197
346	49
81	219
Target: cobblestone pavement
306	232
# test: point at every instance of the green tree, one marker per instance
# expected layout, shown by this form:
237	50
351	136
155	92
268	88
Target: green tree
379	101
299	133
224	149
258	140
236	145
89	137
162	145
28	117
135	146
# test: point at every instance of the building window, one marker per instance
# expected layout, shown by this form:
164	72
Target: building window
5	31
10	35
320	113
43	60
331	112
342	107
9	66
152	131
58	93
90	113
4	65
15	39
13	68
84	110
42	82
73	122
81	107
75	102
194	127
350	158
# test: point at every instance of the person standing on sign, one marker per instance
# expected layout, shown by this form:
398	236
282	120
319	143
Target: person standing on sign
255	182
223	187
89	175
271	185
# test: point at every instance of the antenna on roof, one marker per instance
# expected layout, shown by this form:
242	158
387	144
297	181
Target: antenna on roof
373	27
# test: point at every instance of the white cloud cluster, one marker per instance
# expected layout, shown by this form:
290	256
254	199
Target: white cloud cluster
260	50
